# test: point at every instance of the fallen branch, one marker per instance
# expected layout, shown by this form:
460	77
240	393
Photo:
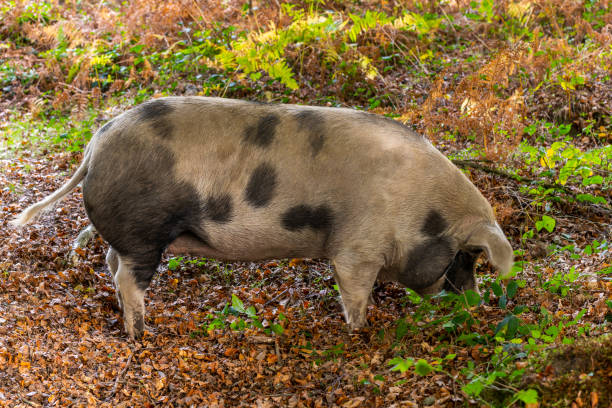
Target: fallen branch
119	377
476	164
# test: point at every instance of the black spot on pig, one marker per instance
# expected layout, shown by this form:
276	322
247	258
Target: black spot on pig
106	126
426	263
152	110
156	113
262	134
460	273
260	188
136	204
303	216
434	224
219	208
312	122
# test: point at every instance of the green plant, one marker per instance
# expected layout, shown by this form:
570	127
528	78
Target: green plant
513	339
484	10
567	164
547	223
9	75
34	12
561	283
238	317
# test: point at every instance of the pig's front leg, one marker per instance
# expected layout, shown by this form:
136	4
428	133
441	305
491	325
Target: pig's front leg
355	281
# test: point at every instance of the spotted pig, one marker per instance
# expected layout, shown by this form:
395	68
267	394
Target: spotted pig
238	180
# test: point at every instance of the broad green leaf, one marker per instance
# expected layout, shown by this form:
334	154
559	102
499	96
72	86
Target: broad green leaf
605	271
531	129
461	318
401	329
564	129
400	364
237	304
277	328
251	312
422	367
501	325
527	396
547	223
137	48
472	298
503	301
511	289
591	199
513	324
497	289
474	388
592	180
174	263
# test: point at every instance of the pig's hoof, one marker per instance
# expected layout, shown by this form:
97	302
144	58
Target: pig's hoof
134	333
357	325
149	329
135	326
356	329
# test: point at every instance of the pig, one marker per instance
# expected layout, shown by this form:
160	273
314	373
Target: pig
238	180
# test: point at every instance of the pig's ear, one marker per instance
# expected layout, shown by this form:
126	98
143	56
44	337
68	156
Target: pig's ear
491	239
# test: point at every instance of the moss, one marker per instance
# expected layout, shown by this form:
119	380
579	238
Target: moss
575	371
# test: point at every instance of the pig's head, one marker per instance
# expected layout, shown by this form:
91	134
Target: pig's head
458	276
445	260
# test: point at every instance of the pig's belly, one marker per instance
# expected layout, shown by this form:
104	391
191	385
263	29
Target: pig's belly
258	248
189	244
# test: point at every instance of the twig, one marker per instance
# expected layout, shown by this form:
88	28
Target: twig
449	21
418	60
119	377
260	339
275	298
277	349
476	164
408	54
477	37
73	87
30	403
196	7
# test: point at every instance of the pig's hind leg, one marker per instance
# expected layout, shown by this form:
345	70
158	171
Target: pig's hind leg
131	282
139	208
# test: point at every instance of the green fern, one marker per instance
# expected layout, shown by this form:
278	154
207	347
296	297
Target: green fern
264	50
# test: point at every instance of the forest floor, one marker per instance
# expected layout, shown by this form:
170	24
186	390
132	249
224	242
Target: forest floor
517	93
